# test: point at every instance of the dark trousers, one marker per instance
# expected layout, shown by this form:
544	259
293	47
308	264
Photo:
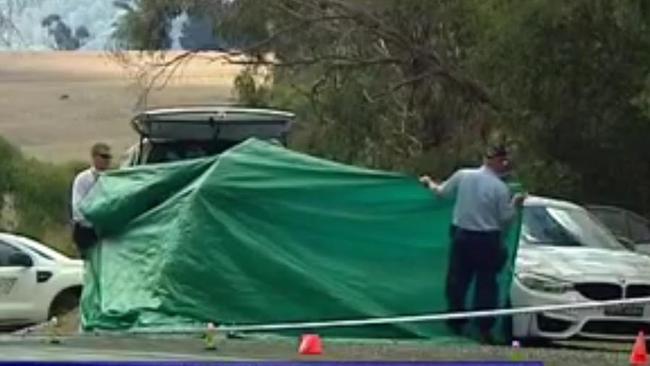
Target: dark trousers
84	237
475	257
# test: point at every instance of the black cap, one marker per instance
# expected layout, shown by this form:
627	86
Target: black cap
496	151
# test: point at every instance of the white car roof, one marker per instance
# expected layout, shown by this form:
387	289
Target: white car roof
33	245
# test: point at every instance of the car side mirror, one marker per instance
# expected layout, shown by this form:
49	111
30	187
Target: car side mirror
20	260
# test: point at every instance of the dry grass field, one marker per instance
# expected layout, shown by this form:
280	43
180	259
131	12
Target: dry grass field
54	105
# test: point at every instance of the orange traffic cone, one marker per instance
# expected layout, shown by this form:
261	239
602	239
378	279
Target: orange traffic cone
639	356
311	344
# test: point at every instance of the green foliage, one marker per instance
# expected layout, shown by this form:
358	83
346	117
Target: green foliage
146	25
40	194
242	22
346	111
422	85
574	75
249	91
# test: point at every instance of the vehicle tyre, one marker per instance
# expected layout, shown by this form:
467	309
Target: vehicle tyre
66	301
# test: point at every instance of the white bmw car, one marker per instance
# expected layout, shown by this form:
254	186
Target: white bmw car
566	256
36	282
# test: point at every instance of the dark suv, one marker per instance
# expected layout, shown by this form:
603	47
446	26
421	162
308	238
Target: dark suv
172	134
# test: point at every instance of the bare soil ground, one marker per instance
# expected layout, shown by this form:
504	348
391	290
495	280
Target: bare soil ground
54	105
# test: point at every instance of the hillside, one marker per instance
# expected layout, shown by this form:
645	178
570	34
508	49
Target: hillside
56	104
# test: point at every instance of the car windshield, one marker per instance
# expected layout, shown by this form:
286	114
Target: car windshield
170	151
33	246
181	150
545	225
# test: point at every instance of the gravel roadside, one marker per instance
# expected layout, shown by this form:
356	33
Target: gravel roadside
187	348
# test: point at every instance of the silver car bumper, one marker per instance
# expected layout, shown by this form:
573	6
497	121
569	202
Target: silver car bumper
594	323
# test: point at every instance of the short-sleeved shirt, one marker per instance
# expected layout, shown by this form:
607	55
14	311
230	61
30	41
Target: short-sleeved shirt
82	185
483	200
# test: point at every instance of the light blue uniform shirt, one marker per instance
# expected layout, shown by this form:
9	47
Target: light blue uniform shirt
483	201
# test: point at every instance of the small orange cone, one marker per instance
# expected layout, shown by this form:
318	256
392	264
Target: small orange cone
639	356
311	344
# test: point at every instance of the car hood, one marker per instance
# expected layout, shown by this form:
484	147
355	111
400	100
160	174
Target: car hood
71	263
580	263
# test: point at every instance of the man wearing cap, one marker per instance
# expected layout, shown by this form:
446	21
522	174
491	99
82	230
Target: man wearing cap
483	209
83	233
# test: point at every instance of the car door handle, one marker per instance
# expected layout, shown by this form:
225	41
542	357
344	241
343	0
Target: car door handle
43	276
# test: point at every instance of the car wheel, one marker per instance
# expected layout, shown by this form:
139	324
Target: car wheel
64	302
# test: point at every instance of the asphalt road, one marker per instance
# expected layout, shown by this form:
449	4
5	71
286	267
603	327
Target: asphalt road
112	348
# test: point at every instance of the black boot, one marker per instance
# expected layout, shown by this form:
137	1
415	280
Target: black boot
456	326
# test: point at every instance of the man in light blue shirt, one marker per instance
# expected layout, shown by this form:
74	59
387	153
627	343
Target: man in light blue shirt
484	207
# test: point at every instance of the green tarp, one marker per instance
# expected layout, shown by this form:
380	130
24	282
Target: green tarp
262	234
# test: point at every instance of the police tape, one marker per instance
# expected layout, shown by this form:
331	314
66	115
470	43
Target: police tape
403	319
200	328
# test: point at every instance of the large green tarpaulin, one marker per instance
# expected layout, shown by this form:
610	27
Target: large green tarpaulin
262	234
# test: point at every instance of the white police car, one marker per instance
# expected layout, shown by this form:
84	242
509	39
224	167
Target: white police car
36	282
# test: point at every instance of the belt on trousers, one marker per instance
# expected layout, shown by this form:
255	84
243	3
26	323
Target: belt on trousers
477	233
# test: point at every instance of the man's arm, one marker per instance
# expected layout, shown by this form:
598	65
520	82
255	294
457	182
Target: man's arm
76	198
447	188
507	206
